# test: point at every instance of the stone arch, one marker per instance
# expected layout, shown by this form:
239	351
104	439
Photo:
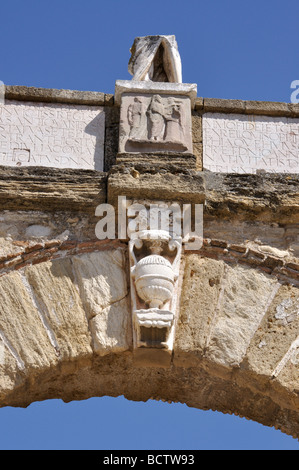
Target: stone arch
65	319
235	350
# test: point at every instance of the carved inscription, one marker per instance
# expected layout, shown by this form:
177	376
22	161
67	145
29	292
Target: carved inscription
153	122
245	144
51	135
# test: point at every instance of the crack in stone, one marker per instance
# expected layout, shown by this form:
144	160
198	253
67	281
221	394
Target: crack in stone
113	302
44	321
12	351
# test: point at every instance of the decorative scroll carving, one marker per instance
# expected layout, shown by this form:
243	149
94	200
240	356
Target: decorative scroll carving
155	263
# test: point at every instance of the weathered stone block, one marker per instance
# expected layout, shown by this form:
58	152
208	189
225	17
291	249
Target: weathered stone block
52	135
237	143
238	314
202	280
102	283
277	331
51	285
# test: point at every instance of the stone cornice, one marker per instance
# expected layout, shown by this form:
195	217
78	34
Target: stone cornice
52	95
204	105
266	108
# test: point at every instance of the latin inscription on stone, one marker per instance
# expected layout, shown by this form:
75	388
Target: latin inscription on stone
246	144
51	135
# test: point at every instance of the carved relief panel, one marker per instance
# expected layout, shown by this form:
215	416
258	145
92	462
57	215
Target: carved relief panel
155	123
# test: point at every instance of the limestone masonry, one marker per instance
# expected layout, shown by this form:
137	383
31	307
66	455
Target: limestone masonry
51	135
208	316
236	143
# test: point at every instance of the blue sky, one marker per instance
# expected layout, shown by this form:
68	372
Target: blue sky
231	49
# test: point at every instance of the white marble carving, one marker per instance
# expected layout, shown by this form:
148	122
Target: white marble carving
155	58
235	143
51	135
155	123
155	105
154	263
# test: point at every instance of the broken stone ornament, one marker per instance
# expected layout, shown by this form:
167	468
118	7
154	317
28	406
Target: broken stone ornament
155	106
155	58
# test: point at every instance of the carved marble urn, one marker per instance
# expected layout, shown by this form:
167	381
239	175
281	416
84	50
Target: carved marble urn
154	280
155	262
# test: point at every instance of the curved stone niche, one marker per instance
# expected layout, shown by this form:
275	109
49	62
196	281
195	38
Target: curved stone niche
154	270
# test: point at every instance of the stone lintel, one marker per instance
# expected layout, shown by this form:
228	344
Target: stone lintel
264	197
